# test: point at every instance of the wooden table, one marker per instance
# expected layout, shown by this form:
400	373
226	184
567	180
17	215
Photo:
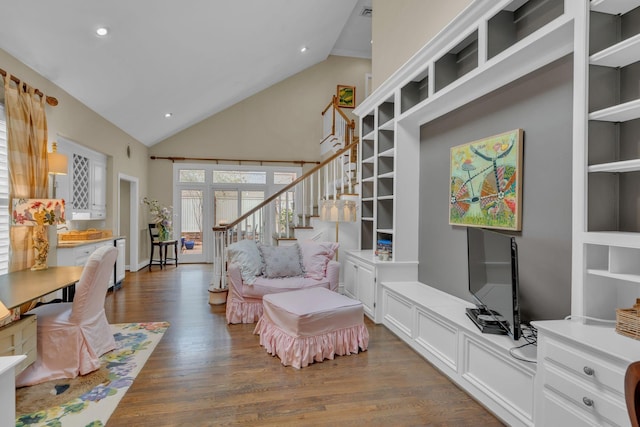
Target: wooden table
24	286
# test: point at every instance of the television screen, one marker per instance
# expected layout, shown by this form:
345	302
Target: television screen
493	281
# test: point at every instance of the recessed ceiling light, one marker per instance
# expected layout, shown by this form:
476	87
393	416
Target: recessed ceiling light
304	49
167	115
102	31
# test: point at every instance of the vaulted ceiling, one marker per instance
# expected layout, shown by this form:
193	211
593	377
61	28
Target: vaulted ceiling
189	58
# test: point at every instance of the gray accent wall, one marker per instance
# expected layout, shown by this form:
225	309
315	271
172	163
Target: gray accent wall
540	104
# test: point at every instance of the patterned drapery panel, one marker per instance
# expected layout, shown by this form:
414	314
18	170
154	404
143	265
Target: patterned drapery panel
28	165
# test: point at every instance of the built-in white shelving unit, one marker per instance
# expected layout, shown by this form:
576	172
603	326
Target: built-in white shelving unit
489	45
607	243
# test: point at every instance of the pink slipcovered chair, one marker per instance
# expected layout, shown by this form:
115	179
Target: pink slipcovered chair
73	336
256	270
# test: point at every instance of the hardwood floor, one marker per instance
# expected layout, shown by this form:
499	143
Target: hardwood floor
207	373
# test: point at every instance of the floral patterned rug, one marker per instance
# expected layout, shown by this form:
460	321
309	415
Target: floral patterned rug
135	342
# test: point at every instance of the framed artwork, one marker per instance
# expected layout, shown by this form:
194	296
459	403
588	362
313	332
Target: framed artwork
346	96
486	182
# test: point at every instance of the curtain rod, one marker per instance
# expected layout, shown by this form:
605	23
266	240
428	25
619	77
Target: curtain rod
208	159
50	99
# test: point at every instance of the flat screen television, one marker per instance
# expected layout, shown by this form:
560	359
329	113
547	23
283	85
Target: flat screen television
493	281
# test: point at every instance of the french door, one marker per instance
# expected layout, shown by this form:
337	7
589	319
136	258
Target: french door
194	228
230	203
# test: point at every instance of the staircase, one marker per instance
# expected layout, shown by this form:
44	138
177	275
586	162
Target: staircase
293	212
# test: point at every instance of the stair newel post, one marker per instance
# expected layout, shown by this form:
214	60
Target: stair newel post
220	241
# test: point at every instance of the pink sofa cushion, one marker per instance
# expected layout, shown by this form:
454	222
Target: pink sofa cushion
316	256
263	286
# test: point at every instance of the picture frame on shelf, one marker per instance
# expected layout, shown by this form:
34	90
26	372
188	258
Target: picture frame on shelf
346	96
486	182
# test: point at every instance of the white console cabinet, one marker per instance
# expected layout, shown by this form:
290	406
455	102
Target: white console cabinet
435	325
363	273
78	253
580	379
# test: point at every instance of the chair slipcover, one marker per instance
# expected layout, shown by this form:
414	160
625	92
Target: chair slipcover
73	336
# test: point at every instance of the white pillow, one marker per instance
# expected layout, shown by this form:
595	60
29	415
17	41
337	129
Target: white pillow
246	254
281	261
316	256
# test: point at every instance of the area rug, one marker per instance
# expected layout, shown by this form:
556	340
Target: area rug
92	398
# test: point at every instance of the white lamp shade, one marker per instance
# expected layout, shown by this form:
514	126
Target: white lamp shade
338	211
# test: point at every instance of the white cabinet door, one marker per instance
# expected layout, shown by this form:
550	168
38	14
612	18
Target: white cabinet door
85	187
366	280
98	188
120	262
350	278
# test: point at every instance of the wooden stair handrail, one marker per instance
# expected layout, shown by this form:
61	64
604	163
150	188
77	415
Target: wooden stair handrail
350	122
285	189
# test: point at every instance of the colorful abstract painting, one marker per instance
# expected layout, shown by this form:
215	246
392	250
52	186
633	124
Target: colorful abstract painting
486	182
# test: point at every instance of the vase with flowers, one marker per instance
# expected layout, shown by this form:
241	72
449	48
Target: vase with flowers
162	217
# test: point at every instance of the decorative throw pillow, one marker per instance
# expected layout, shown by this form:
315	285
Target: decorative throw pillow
316	256
246	254
281	261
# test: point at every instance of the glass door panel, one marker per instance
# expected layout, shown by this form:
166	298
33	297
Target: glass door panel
192	226
230	204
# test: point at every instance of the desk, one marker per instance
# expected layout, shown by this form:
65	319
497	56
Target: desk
20	287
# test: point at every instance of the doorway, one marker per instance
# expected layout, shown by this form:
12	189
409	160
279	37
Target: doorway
128	196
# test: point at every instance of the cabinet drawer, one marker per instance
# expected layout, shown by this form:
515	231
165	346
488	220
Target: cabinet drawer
596	371
558	413
586	399
20	337
81	253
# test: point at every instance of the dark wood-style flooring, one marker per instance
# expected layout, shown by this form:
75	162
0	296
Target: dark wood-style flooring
207	373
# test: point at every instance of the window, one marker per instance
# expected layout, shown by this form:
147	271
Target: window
239	177
191	175
4	196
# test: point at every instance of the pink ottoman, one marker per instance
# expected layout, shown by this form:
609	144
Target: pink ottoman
309	325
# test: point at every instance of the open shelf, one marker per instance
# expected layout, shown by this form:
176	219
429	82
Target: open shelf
385	166
457	62
367	189
414	92
368	124
518	20
613	7
368	149
385	214
385	140
618	113
385	115
367	209
385	187
618	55
367	171
622	166
366	235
